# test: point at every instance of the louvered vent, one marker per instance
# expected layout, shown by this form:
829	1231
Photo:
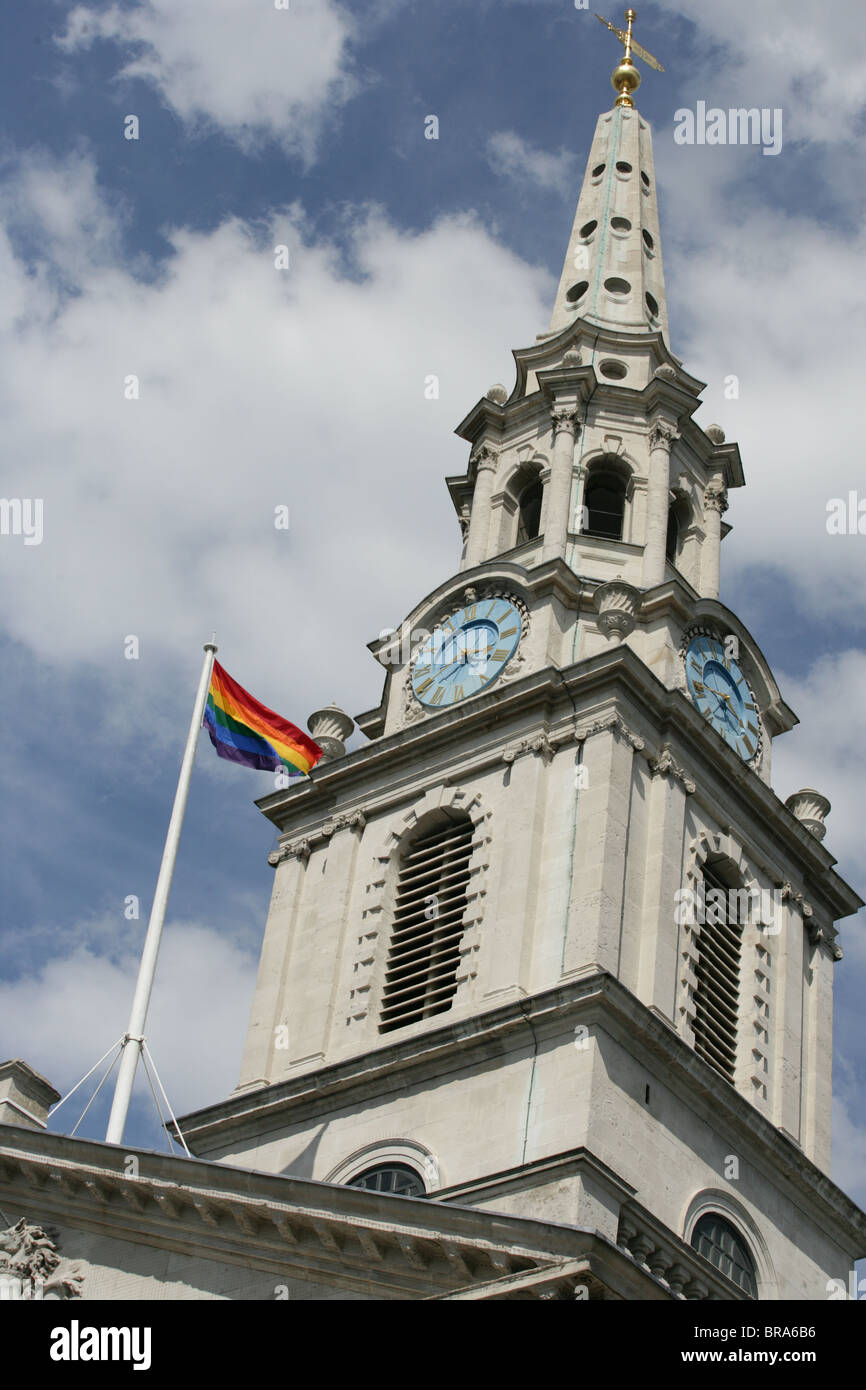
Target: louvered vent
428	925
717	996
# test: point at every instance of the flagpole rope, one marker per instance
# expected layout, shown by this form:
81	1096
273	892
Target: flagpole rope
55	1108
156	1103
146	1052
98	1089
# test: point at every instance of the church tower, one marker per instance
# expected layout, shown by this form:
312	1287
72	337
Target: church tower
549	943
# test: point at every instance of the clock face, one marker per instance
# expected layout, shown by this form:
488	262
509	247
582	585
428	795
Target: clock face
722	694
466	652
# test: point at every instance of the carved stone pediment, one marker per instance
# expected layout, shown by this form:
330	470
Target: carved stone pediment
31	1267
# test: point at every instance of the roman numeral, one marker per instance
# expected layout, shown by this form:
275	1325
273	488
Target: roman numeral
458	693
510	633
500	654
472	612
437	698
424	686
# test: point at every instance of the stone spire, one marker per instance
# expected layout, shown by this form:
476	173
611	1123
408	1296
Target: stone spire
613	274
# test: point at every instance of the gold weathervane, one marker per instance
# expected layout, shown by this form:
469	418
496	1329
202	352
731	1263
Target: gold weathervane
626	78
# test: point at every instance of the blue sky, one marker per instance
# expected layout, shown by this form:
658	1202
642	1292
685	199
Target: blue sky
408	256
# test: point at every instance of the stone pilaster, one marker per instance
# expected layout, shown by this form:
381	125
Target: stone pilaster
486	459
715	505
515	872
661	437
788	1022
600	847
557	513
660	944
260	1051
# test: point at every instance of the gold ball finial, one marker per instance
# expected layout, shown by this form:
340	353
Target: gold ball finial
631	15
625	81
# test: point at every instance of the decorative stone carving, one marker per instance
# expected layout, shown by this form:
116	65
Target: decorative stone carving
572	358
716	499
485	456
302	849
662	435
617	604
497	393
565	417
789	894
540	743
330	727
610	723
715	433
665	372
663	765
810	808
352	820
31	1268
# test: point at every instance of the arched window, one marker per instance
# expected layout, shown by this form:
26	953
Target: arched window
604	501
717	993
719	1242
673	538
397	1178
529	511
424	954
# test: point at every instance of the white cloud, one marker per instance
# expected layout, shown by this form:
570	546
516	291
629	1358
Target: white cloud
827	750
511	155
788	53
258	387
64	1016
250	69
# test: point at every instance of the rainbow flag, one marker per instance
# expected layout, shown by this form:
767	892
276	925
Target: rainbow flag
243	731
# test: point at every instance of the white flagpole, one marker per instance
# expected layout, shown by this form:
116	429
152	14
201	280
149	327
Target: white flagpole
134	1039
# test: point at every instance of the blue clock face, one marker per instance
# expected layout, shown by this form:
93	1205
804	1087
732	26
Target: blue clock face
721	693
466	652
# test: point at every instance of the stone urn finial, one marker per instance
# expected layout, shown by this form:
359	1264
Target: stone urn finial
810	808
497	393
330	727
715	433
617	604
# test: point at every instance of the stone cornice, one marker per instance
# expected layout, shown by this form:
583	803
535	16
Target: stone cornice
343	1236
598	999
373	1244
442	739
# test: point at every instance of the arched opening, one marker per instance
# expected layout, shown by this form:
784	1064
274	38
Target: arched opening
397	1178
717	971
529	511
604	502
427	924
721	1243
679	519
672	544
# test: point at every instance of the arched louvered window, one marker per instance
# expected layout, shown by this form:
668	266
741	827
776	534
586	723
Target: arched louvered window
718	1242
529	511
397	1178
717	994
424	954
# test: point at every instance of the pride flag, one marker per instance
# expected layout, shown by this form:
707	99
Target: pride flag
243	731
